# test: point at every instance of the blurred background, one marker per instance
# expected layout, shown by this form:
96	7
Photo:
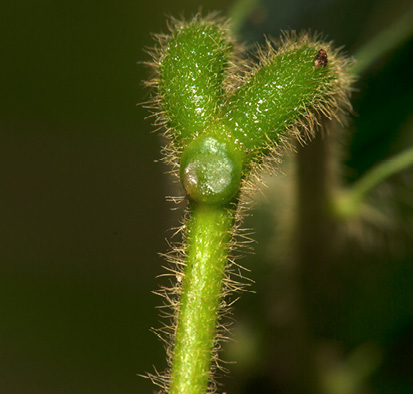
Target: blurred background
83	213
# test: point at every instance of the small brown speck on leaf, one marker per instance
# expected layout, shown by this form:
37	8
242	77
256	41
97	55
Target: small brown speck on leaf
321	58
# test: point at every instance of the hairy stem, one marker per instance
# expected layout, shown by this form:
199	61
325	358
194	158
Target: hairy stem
208	237
222	124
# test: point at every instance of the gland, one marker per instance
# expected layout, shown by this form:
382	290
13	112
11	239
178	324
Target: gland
211	171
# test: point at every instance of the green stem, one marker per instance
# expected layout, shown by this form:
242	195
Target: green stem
239	12
222	125
388	39
349	202
208	237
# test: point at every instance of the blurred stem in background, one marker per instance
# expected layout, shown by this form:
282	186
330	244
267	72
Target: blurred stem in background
347	204
387	40
239	13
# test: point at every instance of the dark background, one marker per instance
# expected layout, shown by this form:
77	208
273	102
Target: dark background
82	201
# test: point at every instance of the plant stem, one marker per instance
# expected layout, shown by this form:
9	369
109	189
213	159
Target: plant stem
208	237
218	133
397	33
312	255
348	203
239	12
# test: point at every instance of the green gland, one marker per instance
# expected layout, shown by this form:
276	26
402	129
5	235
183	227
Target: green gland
210	171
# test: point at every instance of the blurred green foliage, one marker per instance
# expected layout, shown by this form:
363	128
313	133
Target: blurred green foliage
83	214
